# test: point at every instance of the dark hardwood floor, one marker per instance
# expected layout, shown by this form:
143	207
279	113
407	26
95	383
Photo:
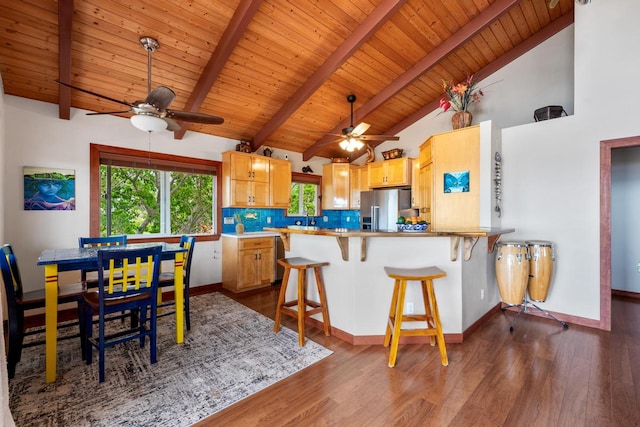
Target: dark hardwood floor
539	375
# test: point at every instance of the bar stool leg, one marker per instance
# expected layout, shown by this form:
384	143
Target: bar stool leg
392	313
302	308
436	317
427	311
397	325
323	301
281	296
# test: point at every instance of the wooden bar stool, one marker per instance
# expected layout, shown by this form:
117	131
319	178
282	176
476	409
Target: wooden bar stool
396	317
302	264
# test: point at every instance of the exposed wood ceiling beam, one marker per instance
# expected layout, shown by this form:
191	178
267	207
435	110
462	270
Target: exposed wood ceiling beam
524	47
65	18
358	37
232	34
474	26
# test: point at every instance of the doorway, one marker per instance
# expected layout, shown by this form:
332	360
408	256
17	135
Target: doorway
605	223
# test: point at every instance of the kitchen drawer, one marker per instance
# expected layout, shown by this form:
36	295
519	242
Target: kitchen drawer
255	243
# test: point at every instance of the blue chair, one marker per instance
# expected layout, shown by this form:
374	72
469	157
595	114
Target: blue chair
18	302
93	242
168	279
127	280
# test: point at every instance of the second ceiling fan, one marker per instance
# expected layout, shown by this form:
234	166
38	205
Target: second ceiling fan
152	114
352	137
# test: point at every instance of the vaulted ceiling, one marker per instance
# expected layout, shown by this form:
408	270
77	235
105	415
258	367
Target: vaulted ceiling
277	71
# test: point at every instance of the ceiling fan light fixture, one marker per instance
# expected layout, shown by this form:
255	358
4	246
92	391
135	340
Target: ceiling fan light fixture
148	123
351	144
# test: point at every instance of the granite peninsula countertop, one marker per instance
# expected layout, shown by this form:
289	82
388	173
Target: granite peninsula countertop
469	235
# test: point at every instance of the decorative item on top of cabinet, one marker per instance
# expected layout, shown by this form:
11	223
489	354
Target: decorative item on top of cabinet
335	185
247	263
390	173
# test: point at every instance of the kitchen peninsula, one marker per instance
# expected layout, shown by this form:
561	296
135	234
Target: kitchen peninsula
359	292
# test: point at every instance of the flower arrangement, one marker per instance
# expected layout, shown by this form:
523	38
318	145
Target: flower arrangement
460	96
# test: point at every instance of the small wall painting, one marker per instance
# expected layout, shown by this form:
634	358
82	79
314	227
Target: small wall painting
49	189
456	182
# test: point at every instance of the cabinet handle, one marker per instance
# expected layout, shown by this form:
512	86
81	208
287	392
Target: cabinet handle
249	174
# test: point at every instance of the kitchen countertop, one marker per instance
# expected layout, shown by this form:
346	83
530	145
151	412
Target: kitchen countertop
251	234
342	235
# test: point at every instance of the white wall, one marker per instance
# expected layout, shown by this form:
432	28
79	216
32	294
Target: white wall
625	227
550	168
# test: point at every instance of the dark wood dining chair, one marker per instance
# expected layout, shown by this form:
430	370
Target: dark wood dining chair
127	280
18	302
167	279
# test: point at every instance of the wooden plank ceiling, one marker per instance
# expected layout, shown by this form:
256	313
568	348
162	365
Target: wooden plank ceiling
277	71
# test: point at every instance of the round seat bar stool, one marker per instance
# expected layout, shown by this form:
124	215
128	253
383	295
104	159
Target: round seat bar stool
433	329
302	302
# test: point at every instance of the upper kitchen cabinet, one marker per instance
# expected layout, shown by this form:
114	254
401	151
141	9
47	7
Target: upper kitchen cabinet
279	183
390	173
459	178
245	180
358	182
335	185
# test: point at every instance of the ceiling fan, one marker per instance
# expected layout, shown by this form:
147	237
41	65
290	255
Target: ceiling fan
352	137
152	114
554	3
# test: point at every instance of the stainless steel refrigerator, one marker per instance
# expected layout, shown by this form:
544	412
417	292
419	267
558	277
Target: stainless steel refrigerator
380	209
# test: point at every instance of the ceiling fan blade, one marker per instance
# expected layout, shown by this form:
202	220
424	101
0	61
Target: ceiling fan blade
161	97
553	3
379	138
360	129
94	94
108	112
172	125
186	116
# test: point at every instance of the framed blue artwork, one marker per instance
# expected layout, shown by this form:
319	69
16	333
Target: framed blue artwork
48	189
456	182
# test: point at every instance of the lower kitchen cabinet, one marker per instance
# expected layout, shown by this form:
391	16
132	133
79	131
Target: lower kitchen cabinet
247	263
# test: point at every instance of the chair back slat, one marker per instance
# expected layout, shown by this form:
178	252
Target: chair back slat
122	272
97	242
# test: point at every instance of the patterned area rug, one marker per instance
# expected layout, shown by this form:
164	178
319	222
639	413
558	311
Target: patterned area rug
230	353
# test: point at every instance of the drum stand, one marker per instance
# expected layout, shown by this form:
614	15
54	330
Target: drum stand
524	309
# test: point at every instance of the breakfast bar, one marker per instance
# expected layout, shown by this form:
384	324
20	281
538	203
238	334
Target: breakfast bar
359	293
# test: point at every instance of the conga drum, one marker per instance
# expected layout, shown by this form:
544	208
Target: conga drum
540	269
512	271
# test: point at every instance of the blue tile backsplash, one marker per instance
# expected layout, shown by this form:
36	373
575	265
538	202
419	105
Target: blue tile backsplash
257	219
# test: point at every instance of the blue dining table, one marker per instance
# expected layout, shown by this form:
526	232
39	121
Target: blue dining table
57	260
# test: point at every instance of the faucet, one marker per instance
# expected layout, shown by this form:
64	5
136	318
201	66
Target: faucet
306	213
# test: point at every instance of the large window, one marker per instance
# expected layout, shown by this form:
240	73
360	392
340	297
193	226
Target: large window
149	195
305	195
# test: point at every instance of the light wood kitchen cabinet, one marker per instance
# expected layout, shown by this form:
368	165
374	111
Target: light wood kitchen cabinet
279	183
425	180
246	181
416	198
358	182
335	186
247	167
247	263
455	152
390	173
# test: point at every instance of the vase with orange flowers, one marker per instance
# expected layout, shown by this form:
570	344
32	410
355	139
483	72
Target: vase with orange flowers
458	98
